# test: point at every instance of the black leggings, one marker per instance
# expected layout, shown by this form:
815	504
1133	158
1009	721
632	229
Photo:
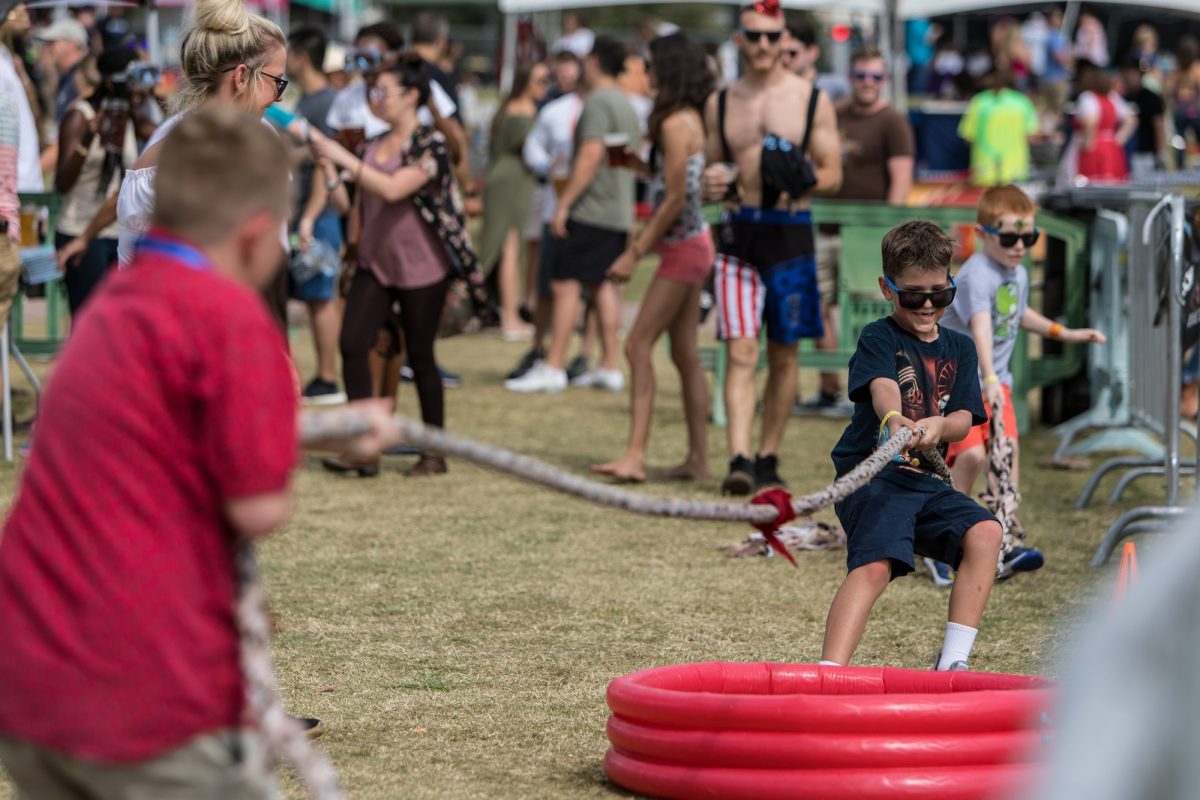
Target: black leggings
367	309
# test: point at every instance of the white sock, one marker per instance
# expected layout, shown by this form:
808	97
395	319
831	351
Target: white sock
828	664
957	644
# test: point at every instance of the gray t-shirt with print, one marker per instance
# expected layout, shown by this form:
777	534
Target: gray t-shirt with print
984	285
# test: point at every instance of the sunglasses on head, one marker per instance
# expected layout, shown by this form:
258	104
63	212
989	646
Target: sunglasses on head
758	36
281	83
367	59
859	75
1010	238
916	300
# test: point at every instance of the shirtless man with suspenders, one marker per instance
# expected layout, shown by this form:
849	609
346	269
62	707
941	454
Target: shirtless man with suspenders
782	138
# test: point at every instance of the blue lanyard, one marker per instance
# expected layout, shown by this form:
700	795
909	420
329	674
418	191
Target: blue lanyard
183	253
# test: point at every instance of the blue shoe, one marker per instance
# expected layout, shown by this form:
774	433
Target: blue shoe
943	574
1019	559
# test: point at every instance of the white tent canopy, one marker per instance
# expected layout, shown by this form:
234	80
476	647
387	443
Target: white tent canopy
529	6
903	9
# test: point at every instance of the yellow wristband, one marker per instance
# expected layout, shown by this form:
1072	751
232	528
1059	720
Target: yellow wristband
991	379
883	422
1056	331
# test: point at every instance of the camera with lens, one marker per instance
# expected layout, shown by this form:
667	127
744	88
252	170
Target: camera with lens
137	76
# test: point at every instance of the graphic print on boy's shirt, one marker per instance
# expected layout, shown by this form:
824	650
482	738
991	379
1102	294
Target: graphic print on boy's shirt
934	378
1006	310
926	381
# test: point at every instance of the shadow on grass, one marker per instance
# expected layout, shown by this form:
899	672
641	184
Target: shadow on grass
594	777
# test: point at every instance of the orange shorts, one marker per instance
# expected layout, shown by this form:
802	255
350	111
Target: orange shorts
978	436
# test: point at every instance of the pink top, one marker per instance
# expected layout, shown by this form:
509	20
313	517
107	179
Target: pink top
396	244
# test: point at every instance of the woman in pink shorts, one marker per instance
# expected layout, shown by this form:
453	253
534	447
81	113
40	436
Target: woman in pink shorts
679	70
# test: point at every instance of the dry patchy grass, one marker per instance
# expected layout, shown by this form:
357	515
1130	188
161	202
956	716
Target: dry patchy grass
457	633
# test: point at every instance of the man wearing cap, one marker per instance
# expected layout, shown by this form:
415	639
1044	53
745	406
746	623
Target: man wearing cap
66	45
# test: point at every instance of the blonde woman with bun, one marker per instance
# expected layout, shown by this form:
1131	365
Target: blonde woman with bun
229	55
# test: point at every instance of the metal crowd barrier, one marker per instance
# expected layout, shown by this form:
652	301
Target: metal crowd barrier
1155	304
1110	420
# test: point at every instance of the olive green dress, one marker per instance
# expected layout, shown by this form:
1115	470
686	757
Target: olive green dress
507	190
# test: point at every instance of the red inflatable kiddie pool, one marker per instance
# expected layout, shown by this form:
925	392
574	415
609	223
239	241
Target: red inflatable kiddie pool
760	731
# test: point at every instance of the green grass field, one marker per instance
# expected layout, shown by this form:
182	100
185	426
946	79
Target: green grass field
457	633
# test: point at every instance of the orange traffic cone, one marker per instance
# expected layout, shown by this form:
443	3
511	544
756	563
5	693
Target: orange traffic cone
1127	574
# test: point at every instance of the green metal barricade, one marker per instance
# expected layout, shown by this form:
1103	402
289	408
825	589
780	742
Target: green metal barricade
55	290
863	226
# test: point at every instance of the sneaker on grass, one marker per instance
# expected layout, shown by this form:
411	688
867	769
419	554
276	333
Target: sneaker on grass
449	379
824	404
612	380
943	574
1019	559
322	393
740	480
766	472
542	378
956	666
578	366
527	362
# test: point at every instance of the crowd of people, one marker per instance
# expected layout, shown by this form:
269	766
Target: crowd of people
587	170
1104	118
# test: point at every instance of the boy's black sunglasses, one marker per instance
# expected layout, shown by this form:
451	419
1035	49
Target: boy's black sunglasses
757	36
916	300
1010	238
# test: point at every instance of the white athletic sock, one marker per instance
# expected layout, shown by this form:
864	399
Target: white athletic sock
957	645
828	664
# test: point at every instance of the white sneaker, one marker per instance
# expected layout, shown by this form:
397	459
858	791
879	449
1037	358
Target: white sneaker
612	380
541	378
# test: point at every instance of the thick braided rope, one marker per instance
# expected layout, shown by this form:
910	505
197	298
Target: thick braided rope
1001	495
346	423
282	735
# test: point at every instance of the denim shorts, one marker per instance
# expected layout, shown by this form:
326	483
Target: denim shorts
327	228
900	514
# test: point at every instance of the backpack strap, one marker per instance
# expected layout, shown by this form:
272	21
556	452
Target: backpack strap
812	113
721	126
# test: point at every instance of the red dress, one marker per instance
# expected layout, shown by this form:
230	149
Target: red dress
1105	161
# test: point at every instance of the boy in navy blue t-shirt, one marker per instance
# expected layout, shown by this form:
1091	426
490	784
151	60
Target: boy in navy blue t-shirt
909	372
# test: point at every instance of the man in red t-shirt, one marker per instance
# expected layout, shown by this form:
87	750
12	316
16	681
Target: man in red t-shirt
168	432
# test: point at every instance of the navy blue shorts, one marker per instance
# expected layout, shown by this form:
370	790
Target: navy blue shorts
902	513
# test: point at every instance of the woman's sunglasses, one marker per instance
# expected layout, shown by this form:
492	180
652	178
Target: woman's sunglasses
758	36
281	84
916	300
1010	238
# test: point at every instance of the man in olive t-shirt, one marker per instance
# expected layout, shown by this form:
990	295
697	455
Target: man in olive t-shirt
877	165
594	216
